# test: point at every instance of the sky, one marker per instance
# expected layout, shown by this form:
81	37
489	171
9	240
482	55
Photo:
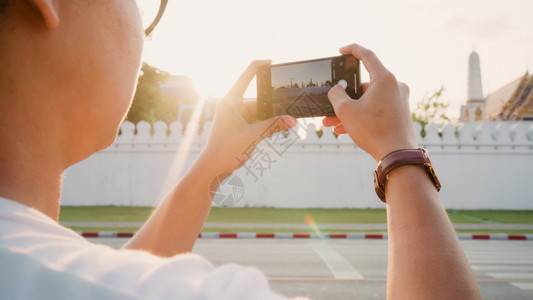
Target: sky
425	43
318	72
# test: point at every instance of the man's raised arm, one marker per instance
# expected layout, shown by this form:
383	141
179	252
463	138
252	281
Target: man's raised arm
426	260
175	224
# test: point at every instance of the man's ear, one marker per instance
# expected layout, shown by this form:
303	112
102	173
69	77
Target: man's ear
48	10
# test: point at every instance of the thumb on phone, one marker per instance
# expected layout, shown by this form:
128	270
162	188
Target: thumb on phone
341	102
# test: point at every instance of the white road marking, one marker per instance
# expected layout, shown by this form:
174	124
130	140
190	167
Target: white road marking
523	285
509	271
337	264
514	275
502	268
499	255
500	261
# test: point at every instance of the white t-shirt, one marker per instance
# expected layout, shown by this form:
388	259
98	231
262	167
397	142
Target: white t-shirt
40	259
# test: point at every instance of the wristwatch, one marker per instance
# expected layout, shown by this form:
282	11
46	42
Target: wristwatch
400	158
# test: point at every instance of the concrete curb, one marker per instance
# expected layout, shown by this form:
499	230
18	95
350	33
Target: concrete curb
325	227
290	235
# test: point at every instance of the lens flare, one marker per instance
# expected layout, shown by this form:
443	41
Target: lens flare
311	222
180	158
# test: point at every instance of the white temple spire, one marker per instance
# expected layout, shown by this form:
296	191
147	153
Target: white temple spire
475	90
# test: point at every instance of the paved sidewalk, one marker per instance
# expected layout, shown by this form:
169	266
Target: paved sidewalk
338	226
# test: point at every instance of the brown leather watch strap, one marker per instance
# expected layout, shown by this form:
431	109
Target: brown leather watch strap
400	158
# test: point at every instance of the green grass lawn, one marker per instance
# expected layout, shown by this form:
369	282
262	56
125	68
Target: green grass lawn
231	215
494	216
286	215
104	213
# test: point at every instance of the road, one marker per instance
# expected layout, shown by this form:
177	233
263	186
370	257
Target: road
356	269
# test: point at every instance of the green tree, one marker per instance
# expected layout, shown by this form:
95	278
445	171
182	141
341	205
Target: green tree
149	103
432	109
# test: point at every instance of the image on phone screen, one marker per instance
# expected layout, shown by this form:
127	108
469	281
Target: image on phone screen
302	89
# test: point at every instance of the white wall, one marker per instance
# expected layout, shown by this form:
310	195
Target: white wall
489	166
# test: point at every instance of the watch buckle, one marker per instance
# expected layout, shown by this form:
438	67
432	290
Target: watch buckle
379	191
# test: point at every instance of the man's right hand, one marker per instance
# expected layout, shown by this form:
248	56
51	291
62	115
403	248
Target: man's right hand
380	121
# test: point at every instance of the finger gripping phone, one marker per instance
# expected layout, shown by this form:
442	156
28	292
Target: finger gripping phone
300	89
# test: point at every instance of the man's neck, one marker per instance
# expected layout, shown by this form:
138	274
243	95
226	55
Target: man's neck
30	172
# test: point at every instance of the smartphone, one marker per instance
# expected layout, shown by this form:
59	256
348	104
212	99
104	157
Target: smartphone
300	89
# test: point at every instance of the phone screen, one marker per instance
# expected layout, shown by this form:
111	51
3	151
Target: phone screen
302	89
